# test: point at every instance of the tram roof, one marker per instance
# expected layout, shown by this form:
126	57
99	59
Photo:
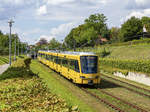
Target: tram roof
69	52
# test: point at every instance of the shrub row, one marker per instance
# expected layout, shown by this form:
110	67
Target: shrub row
19	68
131	65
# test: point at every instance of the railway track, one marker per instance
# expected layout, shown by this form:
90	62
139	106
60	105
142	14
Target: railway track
134	106
112	105
103	101
135	91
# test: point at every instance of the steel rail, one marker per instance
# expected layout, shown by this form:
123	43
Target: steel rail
127	83
103	101
132	105
140	93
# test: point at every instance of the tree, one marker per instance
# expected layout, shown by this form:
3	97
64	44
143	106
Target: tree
131	29
98	22
70	40
4	43
146	22
54	44
114	32
87	33
42	41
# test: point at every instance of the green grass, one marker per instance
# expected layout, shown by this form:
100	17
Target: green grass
57	88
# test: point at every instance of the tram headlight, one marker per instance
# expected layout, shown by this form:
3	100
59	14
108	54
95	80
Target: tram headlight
82	77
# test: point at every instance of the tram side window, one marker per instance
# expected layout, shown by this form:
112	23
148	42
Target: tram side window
51	58
46	56
65	62
39	54
77	66
58	60
42	55
74	65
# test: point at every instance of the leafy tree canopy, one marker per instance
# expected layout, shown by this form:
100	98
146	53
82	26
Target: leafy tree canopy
146	22
87	33
131	29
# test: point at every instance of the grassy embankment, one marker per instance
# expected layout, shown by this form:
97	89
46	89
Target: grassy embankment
58	88
24	91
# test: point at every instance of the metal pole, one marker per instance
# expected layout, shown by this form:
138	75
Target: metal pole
10	46
18	46
15	50
74	45
10	25
34	53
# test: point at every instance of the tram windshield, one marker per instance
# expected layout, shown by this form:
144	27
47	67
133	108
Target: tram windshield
88	64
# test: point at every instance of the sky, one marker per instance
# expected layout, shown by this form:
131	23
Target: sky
35	19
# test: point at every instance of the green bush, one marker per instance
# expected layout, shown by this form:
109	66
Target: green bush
23	63
19	68
131	65
27	62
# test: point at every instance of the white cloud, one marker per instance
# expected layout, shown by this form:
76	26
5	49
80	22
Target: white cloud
42	10
141	2
138	14
147	12
59	2
62	30
96	1
16	2
138	4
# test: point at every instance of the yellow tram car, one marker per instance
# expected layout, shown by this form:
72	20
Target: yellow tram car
79	67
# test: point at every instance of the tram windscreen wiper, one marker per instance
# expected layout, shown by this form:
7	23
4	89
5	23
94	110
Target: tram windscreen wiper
88	64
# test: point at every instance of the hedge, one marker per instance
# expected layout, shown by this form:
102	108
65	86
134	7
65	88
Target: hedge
19	68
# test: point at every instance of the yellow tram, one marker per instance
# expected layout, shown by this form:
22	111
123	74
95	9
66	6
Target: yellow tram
79	67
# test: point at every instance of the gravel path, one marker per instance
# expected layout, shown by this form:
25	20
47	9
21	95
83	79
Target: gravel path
3	68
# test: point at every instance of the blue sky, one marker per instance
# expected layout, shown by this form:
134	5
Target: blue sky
35	19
